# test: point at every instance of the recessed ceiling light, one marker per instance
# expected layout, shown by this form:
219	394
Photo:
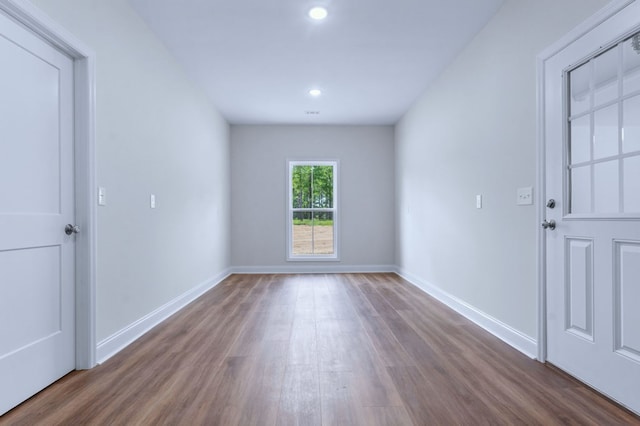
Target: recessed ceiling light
315	92
318	13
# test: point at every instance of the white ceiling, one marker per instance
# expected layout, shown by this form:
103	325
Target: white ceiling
257	59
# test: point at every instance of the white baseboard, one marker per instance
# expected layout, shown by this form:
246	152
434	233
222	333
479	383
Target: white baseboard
502	331
313	269
123	338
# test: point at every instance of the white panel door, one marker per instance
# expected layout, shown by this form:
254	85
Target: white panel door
37	318
592	163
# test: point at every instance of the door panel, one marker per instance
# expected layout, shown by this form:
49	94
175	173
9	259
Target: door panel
579	287
18	302
37	282
591	169
33	97
627	291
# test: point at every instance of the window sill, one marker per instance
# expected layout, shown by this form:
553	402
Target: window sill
313	259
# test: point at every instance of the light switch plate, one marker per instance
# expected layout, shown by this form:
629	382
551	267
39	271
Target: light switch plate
525	196
478	201
102	196
152	201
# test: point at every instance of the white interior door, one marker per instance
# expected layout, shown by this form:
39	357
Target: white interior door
592	163
37	319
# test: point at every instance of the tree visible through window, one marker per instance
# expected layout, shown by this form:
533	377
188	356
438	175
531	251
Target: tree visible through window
312	210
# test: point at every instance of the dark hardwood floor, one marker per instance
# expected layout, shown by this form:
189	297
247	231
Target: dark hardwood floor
354	349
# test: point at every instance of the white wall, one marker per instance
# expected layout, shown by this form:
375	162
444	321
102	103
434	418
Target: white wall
259	157
474	132
156	133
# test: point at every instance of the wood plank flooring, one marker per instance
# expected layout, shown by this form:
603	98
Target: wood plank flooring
352	349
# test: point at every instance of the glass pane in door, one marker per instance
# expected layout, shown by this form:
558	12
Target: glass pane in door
581	190
580	138
606	77
579	90
606	187
632	185
631	125
603	137
631	65
605	132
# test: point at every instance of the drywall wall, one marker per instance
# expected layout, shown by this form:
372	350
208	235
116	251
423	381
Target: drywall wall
474	132
155	134
259	157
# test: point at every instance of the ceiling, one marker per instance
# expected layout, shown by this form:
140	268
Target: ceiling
258	59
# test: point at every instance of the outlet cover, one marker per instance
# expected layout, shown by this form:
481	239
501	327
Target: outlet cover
525	196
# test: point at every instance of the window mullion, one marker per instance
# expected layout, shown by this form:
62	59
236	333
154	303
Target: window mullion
313	218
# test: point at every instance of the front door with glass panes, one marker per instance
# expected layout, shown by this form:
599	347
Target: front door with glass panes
592	236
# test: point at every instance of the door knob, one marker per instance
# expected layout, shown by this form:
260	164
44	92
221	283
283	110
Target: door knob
71	229
551	224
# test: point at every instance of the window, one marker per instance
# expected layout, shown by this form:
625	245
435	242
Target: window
312	210
603	133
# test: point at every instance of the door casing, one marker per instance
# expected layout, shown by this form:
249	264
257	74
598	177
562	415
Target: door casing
598	18
84	151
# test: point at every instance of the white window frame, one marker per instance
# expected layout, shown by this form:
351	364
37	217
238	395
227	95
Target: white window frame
290	211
